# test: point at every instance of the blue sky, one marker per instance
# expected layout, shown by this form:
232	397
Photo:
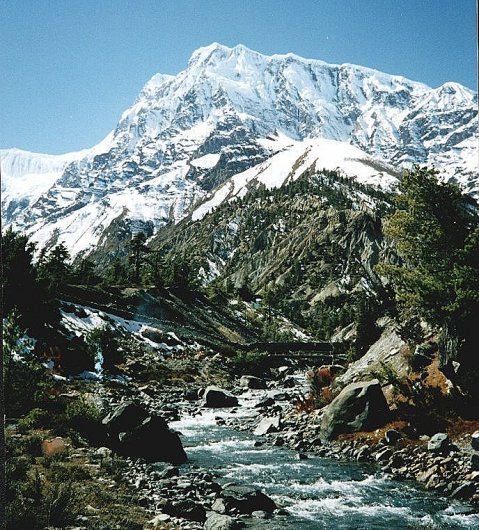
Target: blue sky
70	67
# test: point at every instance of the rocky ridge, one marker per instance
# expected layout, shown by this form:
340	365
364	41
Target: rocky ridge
229	110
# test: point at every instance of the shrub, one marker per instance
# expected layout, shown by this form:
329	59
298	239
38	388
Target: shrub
34	419
104	341
254	362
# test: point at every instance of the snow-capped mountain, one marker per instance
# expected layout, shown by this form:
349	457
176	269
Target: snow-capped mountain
229	110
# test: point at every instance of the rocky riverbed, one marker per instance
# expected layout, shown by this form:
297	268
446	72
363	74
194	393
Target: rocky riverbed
226	438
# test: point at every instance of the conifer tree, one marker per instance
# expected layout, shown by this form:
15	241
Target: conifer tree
436	231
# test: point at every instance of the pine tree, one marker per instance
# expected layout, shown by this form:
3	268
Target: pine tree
436	231
54	267
137	251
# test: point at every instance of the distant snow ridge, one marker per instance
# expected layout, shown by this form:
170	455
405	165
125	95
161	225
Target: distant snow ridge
228	111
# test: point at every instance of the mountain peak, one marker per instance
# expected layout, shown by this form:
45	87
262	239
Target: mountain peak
230	110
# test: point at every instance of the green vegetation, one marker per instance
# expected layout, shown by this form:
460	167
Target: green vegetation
24	377
105	341
436	231
250	363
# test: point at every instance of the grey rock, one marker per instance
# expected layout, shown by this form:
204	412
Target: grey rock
187	509
216	521
153	441
253	382
474	462
475	440
246	499
124	417
359	406
267	402
268	425
438	443
216	397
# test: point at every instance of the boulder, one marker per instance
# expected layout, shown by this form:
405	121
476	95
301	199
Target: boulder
391	436
217	521
464	491
53	447
438	443
267	402
267	425
475	440
253	382
153	441
246	499
124	417
186	509
217	398
359	407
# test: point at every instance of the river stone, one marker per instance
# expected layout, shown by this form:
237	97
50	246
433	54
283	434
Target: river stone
246	499
216	397
267	402
217	521
464	491
124	417
267	425
438	443
474	462
253	382
187	509
391	436
475	440
153	441
359	407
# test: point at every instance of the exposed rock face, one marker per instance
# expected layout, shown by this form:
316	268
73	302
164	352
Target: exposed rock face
216	397
359	406
388	351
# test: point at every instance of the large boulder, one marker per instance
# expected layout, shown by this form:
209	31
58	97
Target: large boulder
153	441
216	397
359	407
133	432
253	382
439	443
124	417
246	499
186	509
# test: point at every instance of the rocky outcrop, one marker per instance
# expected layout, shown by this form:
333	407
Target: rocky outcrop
359	407
388	351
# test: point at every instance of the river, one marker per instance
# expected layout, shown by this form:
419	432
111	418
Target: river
318	493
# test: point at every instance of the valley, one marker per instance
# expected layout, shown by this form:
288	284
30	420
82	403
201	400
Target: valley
253	304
